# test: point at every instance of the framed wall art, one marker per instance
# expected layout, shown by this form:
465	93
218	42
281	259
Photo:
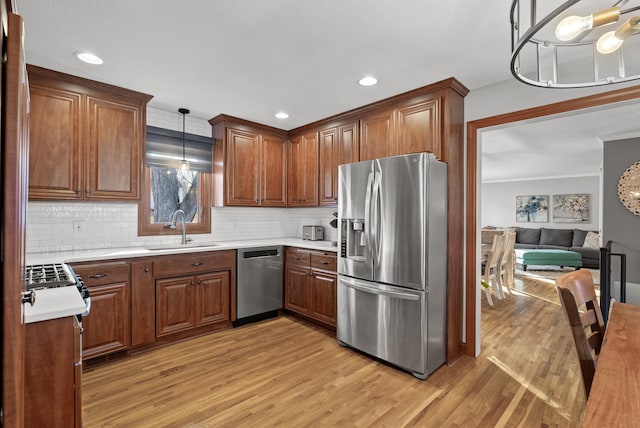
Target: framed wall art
571	208
532	208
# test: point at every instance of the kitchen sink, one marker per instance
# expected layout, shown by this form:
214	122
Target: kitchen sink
165	247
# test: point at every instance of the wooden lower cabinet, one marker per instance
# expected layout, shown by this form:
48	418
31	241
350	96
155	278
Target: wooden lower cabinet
107	328
187	302
322	304
53	374
310	284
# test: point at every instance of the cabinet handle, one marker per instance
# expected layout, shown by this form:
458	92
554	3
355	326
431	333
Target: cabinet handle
322	262
197	264
296	258
98	275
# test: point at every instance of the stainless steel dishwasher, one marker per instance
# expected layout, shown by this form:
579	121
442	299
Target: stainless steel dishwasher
259	283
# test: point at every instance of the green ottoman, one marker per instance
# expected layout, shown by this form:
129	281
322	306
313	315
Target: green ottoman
548	257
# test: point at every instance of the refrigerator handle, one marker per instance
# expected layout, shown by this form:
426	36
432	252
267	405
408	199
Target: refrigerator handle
377	223
360	286
367	216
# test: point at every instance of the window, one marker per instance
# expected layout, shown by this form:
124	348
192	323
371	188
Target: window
168	188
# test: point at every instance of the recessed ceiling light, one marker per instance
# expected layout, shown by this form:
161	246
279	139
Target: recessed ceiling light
282	115
368	81
87	57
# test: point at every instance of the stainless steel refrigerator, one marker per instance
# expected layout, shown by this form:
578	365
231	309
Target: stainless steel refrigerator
392	216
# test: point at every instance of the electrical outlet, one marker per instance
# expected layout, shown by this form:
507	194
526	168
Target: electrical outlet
78	226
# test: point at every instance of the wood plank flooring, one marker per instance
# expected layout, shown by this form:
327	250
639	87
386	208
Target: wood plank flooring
287	373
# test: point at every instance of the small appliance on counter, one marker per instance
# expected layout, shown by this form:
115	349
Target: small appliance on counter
313	233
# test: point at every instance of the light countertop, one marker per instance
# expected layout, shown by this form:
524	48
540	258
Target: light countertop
54	303
159	250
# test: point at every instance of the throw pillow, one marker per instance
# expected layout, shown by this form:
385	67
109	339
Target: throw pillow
592	240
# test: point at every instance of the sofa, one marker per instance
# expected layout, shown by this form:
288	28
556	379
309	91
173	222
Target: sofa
558	239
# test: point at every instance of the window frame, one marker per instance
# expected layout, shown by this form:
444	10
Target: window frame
146	228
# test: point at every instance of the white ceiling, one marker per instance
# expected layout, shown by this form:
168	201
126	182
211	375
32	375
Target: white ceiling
252	58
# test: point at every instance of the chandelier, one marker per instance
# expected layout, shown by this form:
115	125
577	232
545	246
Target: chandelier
576	43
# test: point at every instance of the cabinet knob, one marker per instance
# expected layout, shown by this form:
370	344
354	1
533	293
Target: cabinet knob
193	283
146	269
257	200
197	264
78	190
88	192
199	282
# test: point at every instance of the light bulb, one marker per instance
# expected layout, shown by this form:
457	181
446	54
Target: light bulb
611	41
572	26
608	43
184	166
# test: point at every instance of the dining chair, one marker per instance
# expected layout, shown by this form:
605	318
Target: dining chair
578	297
506	261
491	272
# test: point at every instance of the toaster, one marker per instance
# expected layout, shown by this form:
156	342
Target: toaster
313	233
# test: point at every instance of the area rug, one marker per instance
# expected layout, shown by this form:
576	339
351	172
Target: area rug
553	272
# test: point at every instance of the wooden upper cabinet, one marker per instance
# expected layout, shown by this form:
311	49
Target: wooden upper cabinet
377	135
338	146
418	129
243	152
302	167
86	138
114	167
54	147
250	164
273	171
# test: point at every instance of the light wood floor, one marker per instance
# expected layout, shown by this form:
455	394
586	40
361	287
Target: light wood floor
287	373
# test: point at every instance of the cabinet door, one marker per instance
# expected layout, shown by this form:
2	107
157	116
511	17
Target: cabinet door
242	171
328	154
143	308
376	135
273	175
303	170
174	305
323	298
338	146
114	158
418	129
54	146
297	290
212	298
106	328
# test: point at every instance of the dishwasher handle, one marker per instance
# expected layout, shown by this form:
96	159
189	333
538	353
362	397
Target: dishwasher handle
260	253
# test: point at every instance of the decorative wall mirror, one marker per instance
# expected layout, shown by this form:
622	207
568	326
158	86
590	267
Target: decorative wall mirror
629	188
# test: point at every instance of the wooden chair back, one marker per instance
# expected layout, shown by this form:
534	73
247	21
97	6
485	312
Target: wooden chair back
578	298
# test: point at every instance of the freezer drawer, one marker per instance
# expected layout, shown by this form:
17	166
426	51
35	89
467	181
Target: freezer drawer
390	323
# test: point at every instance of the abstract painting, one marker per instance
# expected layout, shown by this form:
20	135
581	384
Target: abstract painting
573	208
532	208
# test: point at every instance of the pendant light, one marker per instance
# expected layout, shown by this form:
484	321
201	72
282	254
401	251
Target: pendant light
184	165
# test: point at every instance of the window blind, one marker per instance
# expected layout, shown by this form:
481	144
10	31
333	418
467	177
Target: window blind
164	149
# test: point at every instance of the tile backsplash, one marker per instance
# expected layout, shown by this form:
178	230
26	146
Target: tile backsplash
65	226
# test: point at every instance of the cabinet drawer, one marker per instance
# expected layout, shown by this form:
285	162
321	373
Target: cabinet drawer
193	263
324	261
296	257
102	273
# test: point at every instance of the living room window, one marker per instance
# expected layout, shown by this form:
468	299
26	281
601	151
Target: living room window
168	188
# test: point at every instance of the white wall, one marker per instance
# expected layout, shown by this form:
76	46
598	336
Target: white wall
65	226
498	201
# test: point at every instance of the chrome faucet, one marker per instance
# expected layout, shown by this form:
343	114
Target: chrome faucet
183	223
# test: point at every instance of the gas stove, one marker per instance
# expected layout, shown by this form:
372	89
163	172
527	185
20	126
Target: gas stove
53	275
49	275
